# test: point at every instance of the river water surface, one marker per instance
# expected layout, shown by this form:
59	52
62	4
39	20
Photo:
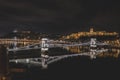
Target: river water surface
106	65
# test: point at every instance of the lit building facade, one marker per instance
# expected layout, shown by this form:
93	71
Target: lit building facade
91	33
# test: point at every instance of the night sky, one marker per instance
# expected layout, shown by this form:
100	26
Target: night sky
59	16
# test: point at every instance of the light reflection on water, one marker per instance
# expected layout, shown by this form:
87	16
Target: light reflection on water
112	52
37	74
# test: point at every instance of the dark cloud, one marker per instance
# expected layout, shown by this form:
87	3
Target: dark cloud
56	16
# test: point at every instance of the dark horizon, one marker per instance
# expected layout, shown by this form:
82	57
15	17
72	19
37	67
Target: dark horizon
59	16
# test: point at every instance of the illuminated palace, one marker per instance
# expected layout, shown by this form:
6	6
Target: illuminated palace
108	37
91	33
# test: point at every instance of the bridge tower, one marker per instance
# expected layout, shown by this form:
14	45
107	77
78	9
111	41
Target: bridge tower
93	43
15	39
15	45
93	46
44	49
15	42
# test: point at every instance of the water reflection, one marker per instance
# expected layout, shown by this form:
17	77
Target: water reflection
32	72
111	52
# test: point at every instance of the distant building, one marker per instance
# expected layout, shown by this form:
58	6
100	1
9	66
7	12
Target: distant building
101	35
23	34
19	42
21	38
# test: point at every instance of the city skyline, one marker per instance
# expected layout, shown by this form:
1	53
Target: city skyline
45	34
59	16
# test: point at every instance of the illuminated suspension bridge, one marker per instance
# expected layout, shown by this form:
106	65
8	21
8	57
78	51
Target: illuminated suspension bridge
44	46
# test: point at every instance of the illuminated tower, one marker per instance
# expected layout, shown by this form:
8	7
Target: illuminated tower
91	30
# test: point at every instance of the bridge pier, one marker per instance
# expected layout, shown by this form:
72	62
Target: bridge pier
4	68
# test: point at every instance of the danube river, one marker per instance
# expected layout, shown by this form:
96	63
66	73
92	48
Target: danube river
105	66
